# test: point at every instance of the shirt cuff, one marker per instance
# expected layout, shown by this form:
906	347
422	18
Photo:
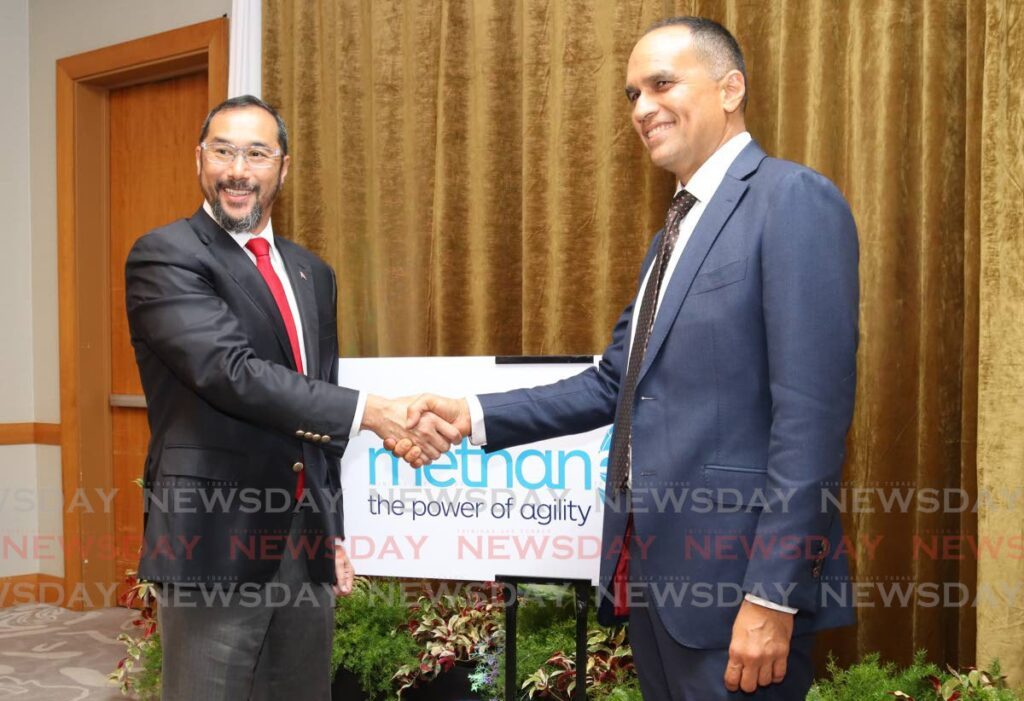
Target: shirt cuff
770	604
357	418
478	435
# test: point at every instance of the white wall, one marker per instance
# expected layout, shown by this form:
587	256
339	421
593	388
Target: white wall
16	401
18	468
33	35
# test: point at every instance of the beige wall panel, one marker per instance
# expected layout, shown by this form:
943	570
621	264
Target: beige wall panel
16	366
59	28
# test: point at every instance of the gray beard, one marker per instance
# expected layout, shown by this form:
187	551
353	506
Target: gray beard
237	226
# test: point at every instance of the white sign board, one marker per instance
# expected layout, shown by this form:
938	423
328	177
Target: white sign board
535	510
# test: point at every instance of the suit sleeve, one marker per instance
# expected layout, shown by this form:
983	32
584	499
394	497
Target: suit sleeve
338	516
810	307
175	311
574	405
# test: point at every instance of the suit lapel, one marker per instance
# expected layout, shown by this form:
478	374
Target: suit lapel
243	272
715	215
301	276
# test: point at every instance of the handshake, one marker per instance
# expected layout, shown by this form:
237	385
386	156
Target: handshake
417	429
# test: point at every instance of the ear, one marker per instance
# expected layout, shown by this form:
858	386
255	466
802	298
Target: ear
199	163
285	162
734	89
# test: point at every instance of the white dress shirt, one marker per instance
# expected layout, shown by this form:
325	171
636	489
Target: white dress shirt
277	263
703	186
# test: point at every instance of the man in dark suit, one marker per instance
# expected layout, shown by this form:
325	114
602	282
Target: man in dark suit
234	331
730	381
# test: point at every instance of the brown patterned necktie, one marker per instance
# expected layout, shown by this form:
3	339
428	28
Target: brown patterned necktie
619	460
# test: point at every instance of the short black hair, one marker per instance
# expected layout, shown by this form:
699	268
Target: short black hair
243	101
714	43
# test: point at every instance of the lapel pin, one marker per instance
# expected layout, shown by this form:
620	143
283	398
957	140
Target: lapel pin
302	274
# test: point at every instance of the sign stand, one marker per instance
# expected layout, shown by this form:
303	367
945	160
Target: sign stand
582	589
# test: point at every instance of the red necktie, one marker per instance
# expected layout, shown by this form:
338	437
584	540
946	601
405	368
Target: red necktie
620	579
261	249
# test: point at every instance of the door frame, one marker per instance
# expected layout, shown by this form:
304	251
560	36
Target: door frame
84	82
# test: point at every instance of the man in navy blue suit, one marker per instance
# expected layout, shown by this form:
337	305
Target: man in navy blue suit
730	380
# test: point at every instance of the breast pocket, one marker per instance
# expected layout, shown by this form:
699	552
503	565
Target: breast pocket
728	274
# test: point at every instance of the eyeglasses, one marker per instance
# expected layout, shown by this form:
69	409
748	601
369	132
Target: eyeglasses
224	154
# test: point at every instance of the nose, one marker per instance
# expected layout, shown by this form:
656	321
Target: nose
239	166
643	107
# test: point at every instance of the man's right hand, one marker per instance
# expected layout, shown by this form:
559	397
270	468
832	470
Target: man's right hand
418	442
424	413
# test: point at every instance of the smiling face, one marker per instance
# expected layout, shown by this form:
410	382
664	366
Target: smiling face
682	113
241	197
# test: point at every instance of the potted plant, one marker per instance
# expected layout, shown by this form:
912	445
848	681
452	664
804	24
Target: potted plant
454	631
452	647
873	680
138	672
371	639
610	672
487	679
547	644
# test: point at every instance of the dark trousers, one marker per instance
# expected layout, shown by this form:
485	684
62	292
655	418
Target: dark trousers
251	641
670	671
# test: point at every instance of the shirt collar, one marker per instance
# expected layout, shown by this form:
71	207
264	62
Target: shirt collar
243	237
709	176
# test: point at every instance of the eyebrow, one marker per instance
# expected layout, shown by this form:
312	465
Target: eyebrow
220	140
650	80
660	75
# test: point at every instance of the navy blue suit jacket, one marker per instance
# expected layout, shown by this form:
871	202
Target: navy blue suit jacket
742	407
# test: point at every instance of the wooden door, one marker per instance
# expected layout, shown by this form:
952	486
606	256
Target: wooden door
154	128
128	118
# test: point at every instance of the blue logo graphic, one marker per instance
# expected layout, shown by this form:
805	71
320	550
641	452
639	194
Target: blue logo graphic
469	466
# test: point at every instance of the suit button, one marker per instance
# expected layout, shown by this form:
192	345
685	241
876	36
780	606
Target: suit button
308	436
316	437
298	467
325	439
300	433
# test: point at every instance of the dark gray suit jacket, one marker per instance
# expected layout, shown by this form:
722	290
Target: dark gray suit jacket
742	406
229	416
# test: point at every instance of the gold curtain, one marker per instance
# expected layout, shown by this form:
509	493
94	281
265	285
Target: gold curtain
999	126
469	168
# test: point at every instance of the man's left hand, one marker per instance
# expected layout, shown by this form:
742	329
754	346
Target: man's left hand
759	647
343	570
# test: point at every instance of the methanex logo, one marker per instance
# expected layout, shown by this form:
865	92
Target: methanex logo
469	466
